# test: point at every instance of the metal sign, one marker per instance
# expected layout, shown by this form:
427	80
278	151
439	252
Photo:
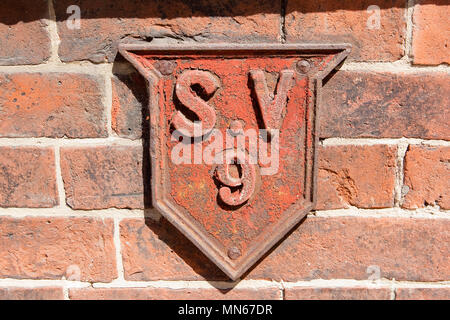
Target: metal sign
233	140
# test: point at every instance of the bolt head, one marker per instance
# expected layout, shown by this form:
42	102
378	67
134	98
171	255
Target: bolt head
166	67
234	253
236	128
303	66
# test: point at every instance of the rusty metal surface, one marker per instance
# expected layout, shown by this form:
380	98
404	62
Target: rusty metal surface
237	210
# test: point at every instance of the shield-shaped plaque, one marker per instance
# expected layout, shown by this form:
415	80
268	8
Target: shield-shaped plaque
233	140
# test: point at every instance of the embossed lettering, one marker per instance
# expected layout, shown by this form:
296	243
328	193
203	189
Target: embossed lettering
244	180
206	114
272	108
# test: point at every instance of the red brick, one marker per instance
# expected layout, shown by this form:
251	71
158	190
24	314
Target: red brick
103	177
427	177
392	105
44	248
344	247
346	21
173	294
23	35
360	176
104	24
51	105
129	103
431	32
27	177
350	293
422	293
44	293
320	248
157	251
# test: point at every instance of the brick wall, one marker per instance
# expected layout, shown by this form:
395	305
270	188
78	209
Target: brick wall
74	221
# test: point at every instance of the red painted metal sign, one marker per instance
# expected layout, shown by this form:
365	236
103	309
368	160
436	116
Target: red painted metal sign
233	137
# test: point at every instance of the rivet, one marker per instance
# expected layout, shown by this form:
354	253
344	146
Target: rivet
234	253
303	66
166	67
236	128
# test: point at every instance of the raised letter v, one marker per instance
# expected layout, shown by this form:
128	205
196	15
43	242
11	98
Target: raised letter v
272	108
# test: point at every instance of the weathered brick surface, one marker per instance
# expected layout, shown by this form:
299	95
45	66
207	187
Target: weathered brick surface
320	248
173	294
422	293
129	103
27	177
427	177
431	32
51	105
344	247
44	248
392	105
338	293
360	176
103	177
23	35
157	251
105	24
346	21
44	293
